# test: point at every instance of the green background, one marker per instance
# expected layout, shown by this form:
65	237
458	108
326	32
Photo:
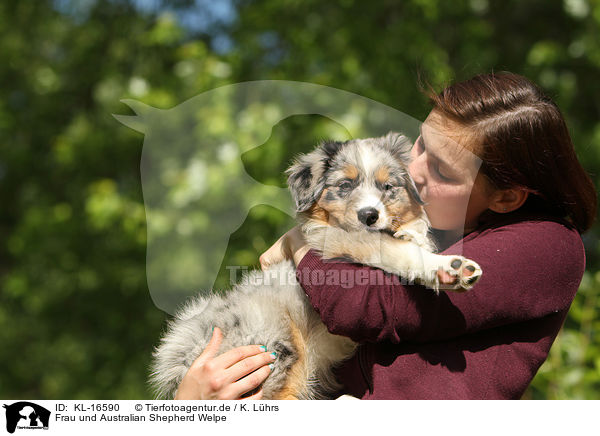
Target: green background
76	317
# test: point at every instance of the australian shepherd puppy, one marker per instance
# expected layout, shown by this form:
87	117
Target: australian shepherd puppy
355	200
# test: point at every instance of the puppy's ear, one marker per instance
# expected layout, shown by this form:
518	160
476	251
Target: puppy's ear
399	145
306	176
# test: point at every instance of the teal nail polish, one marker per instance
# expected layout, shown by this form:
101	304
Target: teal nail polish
274	355
262	347
271	366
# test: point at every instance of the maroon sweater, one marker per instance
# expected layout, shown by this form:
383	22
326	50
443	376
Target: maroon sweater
487	343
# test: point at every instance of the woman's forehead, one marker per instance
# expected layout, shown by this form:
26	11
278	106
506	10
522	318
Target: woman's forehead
449	142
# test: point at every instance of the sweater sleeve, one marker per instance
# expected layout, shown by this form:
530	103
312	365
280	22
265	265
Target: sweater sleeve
530	269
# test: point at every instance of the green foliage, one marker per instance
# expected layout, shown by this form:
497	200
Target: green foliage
76	316
573	367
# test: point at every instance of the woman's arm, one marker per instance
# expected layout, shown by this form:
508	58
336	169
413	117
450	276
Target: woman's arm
530	269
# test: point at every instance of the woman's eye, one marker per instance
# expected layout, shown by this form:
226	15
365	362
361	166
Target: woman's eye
440	175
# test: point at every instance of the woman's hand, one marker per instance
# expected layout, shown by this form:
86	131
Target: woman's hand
290	246
227	376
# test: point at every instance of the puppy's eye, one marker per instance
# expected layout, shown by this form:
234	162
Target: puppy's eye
345	185
388	187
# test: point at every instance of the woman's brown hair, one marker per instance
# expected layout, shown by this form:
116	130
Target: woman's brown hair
523	141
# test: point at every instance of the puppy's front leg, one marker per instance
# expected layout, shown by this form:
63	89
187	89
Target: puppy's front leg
404	258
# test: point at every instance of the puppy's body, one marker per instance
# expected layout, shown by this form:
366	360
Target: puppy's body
266	308
355	200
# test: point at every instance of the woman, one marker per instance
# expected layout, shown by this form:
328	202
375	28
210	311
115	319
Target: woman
527	200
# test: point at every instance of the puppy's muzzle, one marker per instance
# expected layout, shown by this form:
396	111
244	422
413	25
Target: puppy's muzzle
368	216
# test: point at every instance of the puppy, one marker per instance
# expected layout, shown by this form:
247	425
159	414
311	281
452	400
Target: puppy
355	201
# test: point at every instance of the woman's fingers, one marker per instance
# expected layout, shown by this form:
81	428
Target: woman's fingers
248	366
283	248
227	376
248	383
243	376
275	254
236	355
256	396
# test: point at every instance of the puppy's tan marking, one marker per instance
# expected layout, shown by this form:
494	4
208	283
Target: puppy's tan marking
317	213
296	376
333	210
350	171
382	174
404	213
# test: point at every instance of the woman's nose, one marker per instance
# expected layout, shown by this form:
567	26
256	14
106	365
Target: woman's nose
416	169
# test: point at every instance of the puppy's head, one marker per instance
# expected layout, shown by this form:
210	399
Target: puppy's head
357	184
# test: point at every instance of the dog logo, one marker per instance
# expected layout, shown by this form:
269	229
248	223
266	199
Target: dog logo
26	415
196	190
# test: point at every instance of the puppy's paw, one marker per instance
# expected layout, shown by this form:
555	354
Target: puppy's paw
412	236
458	273
405	235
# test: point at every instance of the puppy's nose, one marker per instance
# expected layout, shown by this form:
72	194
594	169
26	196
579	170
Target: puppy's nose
368	216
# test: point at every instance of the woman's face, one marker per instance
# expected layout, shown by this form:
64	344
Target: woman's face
447	177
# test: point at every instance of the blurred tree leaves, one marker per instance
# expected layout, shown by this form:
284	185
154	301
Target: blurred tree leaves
76	317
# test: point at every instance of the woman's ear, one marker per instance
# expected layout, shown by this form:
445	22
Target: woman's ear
508	200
